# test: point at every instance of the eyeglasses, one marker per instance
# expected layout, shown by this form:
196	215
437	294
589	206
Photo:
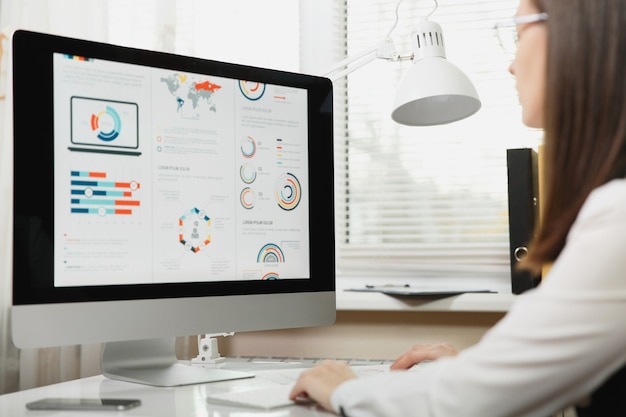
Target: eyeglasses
507	33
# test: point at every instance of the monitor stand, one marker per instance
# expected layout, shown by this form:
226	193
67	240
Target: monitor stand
154	362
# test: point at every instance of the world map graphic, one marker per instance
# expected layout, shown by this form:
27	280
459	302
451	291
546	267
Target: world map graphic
189	90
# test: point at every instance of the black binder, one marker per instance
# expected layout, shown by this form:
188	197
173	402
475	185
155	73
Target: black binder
523	196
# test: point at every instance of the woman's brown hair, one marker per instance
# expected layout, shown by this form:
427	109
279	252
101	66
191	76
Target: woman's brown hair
584	115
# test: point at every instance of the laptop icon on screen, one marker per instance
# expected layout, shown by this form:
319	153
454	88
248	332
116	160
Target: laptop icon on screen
104	126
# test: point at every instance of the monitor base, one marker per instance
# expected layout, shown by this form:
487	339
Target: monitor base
153	362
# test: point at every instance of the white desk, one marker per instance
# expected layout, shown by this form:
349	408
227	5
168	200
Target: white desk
184	401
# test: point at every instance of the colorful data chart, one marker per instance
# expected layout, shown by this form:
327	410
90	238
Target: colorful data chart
92	193
252	90
112	131
194	230
76	57
247	173
247	198
270	253
248	147
270	276
288	191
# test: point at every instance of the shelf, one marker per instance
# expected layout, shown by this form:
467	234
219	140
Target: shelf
350	300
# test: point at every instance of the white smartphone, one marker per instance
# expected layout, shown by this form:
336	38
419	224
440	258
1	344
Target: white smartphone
111	404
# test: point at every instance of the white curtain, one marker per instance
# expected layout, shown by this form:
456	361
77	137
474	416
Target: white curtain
28	368
242	31
8	354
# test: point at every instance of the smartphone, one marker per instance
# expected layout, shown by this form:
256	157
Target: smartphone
111	404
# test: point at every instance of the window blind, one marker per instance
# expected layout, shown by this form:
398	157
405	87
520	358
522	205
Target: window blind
425	201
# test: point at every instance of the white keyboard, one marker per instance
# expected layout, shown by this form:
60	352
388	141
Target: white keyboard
278	395
264	398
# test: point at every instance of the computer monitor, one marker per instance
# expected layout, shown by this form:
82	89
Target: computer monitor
158	195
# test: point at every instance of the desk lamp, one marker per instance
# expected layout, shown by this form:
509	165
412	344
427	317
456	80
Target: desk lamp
434	91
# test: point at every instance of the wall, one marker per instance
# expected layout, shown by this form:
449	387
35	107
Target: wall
364	335
355	334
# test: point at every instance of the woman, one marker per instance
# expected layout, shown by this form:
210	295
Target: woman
565	340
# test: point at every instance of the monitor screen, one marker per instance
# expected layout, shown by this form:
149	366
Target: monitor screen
158	195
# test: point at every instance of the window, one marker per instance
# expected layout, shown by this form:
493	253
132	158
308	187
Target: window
411	201
425	201
240	31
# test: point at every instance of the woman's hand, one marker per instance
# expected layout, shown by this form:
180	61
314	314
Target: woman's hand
318	383
419	353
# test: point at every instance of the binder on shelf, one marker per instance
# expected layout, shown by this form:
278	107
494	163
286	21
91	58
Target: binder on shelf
523	198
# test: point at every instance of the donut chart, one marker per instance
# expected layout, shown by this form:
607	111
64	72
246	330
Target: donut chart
271	253
252	90
194	230
248	147
247	198
270	276
288	191
100	122
247	173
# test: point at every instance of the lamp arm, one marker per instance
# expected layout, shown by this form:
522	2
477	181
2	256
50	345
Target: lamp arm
383	50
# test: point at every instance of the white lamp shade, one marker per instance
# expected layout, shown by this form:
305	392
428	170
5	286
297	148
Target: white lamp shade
434	92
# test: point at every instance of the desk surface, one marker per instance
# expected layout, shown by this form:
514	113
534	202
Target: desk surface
184	401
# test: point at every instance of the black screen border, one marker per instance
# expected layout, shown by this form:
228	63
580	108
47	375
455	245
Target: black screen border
33	215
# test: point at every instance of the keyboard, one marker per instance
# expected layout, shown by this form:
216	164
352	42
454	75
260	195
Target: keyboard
261	398
259	363
282	380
